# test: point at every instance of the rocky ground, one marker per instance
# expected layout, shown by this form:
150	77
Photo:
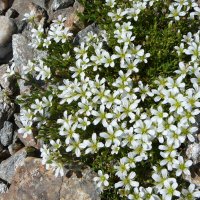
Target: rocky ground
22	176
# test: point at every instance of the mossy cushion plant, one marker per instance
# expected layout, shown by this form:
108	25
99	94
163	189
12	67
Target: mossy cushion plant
122	101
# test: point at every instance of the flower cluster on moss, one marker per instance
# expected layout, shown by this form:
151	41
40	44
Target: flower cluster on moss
100	102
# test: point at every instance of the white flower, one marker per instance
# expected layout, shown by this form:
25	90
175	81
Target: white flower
45	154
47	101
187	38
111	136
38	107
29	16
127	182
107	59
66	56
180	49
102	180
183	69
59	21
26	130
123	54
182	166
10	71
115	149
137	194
123	82
194	50
175	85
83	123
44	71
160	178
55	144
85	108
123	168
169	190
69	132
92	145
47	42
144	130
110	3
169	155
190	193
26	115
143	90
117	16
58	168
149	194
81	51
101	116
74	145
158	115
176	12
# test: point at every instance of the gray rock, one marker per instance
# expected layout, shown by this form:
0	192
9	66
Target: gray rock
81	34
40	13
3	188
12	13
16	144
193	152
7	29
9	86
72	20
6	53
61	4
6	111
32	181
21	7
8	166
22	52
4	153
6	133
43	3
5	4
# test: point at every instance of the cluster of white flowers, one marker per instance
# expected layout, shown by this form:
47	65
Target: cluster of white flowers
57	32
116	105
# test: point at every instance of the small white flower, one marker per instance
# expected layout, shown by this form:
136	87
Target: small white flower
92	145
182	166
102	180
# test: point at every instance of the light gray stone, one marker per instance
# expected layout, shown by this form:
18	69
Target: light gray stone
6	133
43	3
16	144
6	111
32	181
7	29
193	152
8	166
5	4
9	86
61	4
3	188
22	52
12	13
21	7
6	53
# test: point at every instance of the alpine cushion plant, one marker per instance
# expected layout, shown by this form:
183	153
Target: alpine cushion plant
123	101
